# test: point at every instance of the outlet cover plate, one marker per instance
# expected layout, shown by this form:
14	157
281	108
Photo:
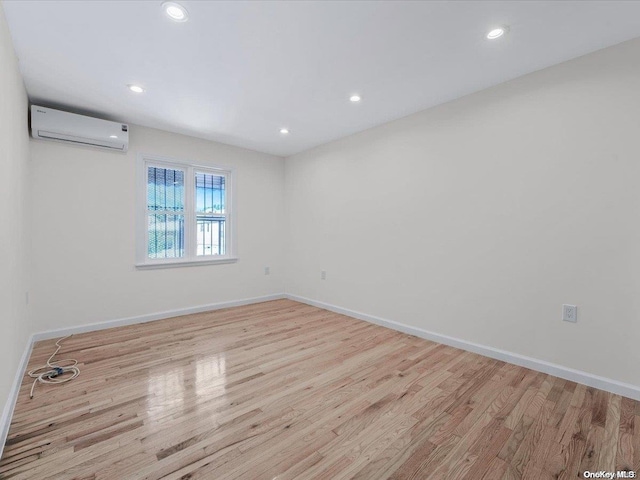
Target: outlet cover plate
570	313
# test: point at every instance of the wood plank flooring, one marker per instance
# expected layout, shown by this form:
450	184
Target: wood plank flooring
285	390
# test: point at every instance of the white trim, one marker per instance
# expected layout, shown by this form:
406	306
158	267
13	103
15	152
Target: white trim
183	263
190	248
7	412
149	317
613	386
579	376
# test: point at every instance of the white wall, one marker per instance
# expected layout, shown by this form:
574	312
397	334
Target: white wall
83	232
478	219
14	165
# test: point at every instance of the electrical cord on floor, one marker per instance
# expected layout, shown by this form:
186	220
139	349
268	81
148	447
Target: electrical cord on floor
55	372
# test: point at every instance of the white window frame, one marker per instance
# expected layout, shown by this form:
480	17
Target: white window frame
190	257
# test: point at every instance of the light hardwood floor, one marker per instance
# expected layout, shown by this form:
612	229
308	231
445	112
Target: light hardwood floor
285	390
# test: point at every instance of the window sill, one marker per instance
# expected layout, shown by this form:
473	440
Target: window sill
185	263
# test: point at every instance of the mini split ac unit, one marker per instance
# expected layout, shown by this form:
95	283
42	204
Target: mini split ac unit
59	126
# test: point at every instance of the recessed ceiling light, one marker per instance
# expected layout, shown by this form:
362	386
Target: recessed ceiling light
136	88
355	98
113	136
497	32
284	131
175	11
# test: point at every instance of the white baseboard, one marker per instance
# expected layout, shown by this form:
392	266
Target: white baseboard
92	327
7	412
613	386
607	384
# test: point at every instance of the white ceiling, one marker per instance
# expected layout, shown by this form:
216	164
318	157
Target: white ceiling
238	71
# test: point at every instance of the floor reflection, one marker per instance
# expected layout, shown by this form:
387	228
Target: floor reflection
166	390
211	372
171	391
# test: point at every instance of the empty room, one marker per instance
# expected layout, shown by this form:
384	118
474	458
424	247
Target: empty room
319	239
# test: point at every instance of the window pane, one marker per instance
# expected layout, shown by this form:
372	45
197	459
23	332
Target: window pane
210	235
210	193
166	236
165	189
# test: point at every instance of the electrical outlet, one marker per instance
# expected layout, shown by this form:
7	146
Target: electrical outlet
267	270
570	313
323	275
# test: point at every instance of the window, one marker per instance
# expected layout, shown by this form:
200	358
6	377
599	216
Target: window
184	214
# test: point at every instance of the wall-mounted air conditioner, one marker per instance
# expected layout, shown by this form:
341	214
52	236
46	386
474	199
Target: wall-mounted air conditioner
59	126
